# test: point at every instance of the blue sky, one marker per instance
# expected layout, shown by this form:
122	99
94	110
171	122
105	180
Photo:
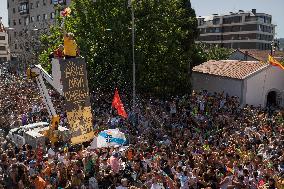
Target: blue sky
207	7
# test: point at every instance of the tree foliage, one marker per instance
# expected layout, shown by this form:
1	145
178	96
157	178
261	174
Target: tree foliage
164	43
205	53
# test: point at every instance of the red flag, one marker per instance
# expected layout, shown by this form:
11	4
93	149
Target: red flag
117	104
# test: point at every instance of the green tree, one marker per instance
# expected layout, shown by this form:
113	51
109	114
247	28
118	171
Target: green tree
205	53
165	37
164	41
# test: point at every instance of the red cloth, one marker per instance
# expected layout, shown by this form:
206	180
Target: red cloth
66	12
261	183
58	53
117	104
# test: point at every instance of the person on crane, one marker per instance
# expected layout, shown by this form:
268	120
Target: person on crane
71	49
59	52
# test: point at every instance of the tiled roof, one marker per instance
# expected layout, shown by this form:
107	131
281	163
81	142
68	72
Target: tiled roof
262	55
230	68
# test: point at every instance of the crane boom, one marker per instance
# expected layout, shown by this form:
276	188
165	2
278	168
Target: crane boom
46	98
39	74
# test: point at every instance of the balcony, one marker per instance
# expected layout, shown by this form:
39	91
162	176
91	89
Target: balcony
4	52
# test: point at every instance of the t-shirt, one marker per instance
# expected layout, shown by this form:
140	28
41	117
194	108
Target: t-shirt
70	47
121	187
93	183
32	171
157	186
39	183
58	53
184	182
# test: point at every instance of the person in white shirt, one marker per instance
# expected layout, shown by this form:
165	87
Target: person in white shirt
157	185
124	184
93	183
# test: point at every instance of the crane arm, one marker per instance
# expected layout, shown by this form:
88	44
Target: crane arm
46	97
39	74
38	70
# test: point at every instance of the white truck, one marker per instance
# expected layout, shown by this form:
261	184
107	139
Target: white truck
32	134
16	135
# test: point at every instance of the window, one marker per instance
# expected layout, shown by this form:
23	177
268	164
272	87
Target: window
216	21
38	18
2	37
9	22
235	28
14	10
14	22
44	2
32	5
8	5
2	48
227	21
44	17
250	18
16	46
15	34
37	4
32	18
237	19
20	21
61	2
52	15
23	8
27	21
51	1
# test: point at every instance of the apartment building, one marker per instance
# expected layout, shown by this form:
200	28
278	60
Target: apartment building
28	19
4	47
237	30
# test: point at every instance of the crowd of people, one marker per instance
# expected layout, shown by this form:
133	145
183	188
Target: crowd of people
21	103
200	140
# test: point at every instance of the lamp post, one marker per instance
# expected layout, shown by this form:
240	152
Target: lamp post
133	60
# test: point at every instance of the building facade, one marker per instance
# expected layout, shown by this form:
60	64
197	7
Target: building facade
253	82
4	46
28	19
240	30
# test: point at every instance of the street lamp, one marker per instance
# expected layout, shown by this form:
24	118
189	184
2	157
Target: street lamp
130	3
